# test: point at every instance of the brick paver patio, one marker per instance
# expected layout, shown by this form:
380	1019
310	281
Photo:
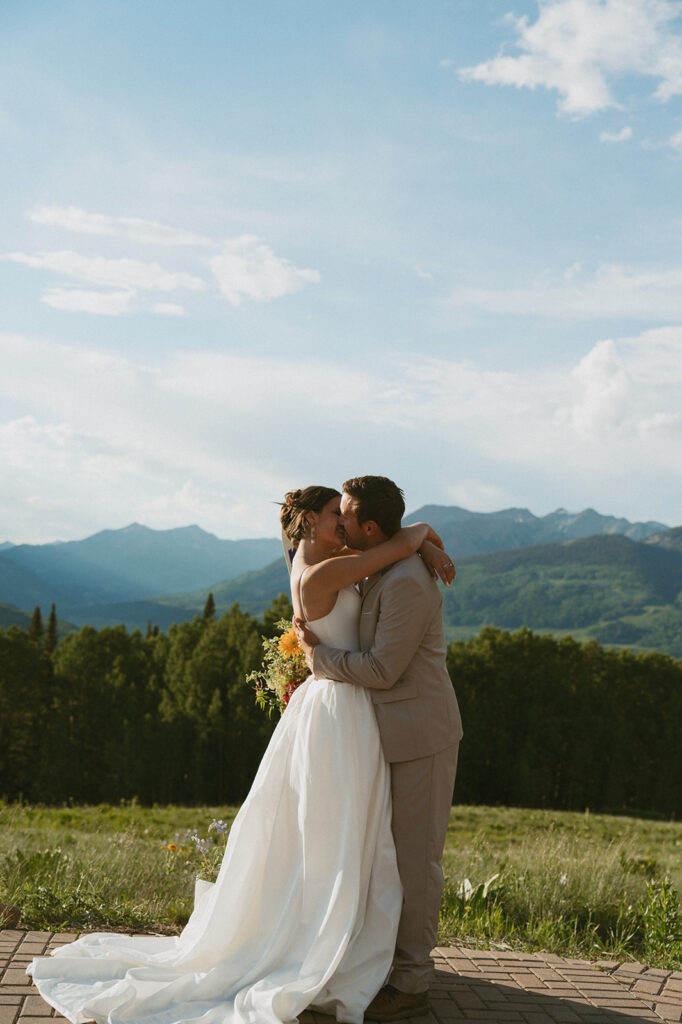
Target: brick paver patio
470	986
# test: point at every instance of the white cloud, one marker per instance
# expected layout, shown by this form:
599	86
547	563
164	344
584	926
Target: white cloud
72	218
246	268
622	136
191	503
676	141
603	389
626	392
612	291
78	300
215	439
22	439
580	47
479	495
119	273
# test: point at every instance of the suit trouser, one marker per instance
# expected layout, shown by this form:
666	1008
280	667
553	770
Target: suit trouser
422	798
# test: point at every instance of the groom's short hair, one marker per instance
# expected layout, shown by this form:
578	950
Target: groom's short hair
376	498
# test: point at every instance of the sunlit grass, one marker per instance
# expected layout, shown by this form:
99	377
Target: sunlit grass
577	884
101	866
574	884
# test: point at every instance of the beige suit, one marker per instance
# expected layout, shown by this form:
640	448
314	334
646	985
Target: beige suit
402	663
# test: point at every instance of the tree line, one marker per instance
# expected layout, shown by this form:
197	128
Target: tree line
101	716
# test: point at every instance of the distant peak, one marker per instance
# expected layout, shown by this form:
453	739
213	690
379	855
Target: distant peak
190	531
132	530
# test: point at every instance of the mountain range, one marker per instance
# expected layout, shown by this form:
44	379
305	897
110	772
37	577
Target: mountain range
604	587
475	533
124	565
583	573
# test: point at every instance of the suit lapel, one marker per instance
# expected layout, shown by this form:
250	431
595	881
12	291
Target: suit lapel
367	584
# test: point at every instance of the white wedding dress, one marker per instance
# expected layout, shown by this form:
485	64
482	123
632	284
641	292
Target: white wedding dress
305	909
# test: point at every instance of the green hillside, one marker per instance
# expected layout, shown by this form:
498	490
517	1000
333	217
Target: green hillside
11	616
609	588
668	539
254	591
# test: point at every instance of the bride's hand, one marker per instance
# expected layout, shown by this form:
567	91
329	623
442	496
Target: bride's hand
307	640
435	538
438	562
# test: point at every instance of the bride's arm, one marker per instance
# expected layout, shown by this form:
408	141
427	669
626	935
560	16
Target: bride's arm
432	540
335	573
438	562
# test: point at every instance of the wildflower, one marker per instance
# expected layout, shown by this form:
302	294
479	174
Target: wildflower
173	847
200	844
290	687
288	643
563	880
284	666
219	826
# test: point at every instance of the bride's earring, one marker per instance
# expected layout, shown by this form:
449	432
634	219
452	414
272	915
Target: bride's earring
312	534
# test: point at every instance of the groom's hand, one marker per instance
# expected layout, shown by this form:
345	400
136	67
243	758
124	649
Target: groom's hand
307	640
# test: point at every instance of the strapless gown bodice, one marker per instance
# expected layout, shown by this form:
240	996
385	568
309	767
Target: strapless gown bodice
305	909
340	627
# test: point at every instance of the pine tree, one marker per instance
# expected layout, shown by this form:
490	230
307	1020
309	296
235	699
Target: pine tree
209	608
35	629
51	635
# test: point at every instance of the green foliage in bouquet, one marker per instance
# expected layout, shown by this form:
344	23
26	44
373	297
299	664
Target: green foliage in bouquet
284	668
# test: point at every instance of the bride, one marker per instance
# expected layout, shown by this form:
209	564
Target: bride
305	909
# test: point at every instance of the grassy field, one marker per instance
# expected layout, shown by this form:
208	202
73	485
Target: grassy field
578	884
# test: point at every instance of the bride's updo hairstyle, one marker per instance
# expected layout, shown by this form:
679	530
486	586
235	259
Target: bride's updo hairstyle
297	505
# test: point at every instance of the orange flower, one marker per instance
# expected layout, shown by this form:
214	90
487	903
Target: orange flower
288	643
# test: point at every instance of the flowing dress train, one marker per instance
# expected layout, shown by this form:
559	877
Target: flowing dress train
305	909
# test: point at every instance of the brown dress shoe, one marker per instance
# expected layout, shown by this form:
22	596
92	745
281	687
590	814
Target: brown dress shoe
390	1004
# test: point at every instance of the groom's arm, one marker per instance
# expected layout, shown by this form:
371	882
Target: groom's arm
407	607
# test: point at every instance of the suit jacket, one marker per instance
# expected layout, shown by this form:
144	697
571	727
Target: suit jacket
401	661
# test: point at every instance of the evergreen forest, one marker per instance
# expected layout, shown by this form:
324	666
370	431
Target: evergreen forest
108	715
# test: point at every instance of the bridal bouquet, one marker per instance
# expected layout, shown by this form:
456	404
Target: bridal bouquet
284	668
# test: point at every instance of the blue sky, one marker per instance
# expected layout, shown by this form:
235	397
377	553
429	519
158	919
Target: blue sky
253	245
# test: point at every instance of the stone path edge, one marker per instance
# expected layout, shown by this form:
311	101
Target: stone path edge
470	985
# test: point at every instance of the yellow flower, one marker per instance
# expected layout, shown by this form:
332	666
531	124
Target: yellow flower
288	643
172	847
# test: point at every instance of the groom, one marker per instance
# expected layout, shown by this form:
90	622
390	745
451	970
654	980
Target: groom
402	663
